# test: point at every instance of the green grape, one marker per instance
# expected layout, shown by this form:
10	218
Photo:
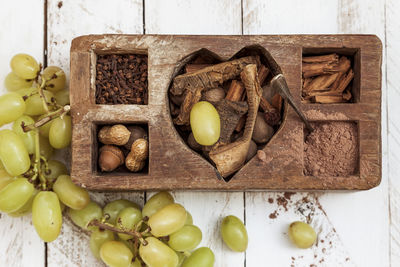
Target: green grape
24	66
12	106
167	220
70	194
54	83
13	153
84	216
13	82
15	195
5	178
127	243
34	103
185	239
302	234
44	129
46	150
128	218
189	219
62	97
26	91
60	132
205	123
55	169
97	239
27	137
115	254
157	202
115	207
234	233
46	215
201	257
157	254
26	208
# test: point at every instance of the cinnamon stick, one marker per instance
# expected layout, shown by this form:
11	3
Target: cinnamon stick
235	91
315	69
262	74
320	83
347	95
323	58
345	81
277	101
328	99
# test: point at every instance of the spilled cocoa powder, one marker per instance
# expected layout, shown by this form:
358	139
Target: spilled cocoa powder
331	149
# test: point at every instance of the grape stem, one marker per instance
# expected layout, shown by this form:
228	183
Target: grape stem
42	86
110	227
36	165
51	116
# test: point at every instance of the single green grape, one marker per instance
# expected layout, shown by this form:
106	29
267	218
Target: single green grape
115	254
46	150
5	178
127	219
24	66
62	97
13	153
26	208
46	215
55	169
114	207
189	219
201	257
70	194
12	106
34	103
185	239
14	195
128	243
44	129
97	239
158	254
13	82
205	123
302	234
234	233
167	220
27	137
54	83
84	216
60	132
157	202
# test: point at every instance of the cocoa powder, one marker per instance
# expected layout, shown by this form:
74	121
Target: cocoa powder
331	149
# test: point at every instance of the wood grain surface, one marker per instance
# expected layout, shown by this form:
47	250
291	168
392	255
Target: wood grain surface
362	226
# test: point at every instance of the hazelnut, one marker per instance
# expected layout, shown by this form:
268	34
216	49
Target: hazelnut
136	159
114	135
111	157
193	144
136	133
262	131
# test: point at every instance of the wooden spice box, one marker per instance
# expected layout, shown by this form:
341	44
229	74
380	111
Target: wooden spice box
173	165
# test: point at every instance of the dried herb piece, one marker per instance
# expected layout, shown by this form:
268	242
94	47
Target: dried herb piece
121	79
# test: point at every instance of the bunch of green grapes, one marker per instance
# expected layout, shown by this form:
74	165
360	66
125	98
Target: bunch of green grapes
30	180
161	234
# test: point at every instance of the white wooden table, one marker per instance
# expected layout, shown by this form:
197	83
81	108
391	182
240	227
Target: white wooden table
355	229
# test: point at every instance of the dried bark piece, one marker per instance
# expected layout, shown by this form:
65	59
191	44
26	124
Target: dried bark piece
231	157
195	67
210	77
230	113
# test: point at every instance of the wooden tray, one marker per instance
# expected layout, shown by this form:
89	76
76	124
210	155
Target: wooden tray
172	164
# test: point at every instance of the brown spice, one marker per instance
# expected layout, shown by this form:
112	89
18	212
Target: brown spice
121	79
273	215
331	149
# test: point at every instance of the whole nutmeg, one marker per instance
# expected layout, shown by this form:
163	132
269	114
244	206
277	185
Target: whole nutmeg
136	133
110	158
114	135
214	95
193	144
136	159
262	131
252	151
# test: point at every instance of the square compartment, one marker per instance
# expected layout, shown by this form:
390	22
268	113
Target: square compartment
121	170
332	149
121	79
353	54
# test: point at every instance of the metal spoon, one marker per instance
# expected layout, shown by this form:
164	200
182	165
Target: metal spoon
279	84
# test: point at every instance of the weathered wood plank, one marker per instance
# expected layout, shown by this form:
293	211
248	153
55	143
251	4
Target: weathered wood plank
393	97
202	17
19	243
344	212
66	20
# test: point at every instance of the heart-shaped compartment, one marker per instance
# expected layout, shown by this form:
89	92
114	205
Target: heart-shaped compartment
251	112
